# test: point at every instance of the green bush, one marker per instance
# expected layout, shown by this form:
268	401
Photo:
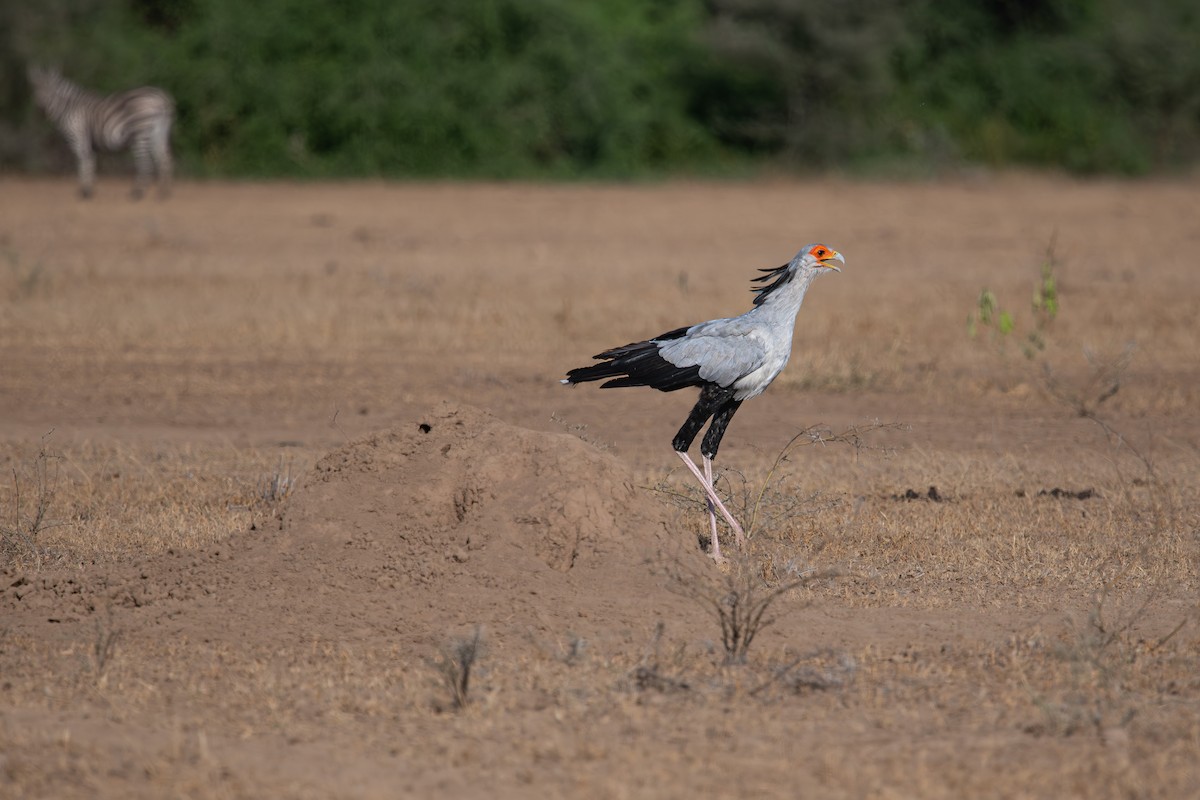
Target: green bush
1089	85
561	88
500	88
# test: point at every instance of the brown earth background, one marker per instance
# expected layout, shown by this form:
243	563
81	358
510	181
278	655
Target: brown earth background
275	455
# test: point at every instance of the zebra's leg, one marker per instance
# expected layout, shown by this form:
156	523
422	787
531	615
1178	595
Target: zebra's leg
142	163
160	150
87	167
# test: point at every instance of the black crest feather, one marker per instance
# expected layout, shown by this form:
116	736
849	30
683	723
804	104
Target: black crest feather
778	277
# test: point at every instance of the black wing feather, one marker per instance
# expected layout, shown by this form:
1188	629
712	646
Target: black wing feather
639	364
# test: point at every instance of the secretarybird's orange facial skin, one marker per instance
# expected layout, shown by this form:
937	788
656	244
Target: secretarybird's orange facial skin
826	256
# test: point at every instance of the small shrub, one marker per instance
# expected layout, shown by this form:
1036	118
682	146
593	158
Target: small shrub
277	487
104	647
738	599
653	674
34	487
454	666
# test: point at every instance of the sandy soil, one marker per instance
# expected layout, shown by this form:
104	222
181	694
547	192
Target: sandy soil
285	457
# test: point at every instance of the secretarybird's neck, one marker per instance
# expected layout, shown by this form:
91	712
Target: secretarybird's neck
779	309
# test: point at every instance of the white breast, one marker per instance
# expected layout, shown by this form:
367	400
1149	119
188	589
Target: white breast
777	352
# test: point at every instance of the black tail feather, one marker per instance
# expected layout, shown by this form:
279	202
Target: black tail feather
638	364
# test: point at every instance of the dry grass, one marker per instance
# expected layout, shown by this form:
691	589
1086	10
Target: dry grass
1059	712
109	501
318	288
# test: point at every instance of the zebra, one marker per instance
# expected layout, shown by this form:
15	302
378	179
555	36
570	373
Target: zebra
138	119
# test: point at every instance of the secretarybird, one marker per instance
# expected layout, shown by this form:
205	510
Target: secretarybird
730	360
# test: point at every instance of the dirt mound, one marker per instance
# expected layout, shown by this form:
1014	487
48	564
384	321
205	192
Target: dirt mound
461	485
476	520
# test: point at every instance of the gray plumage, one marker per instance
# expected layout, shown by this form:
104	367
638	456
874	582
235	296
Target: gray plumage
139	120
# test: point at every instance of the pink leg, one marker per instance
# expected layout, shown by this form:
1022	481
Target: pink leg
712	498
712	514
738	534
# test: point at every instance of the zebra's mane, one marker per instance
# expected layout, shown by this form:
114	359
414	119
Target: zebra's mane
778	277
57	92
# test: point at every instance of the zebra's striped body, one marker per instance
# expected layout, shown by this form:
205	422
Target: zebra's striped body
138	120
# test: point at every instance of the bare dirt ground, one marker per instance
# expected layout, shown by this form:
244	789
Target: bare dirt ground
279	459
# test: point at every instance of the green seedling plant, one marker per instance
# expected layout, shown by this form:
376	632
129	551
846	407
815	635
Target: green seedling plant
1000	324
